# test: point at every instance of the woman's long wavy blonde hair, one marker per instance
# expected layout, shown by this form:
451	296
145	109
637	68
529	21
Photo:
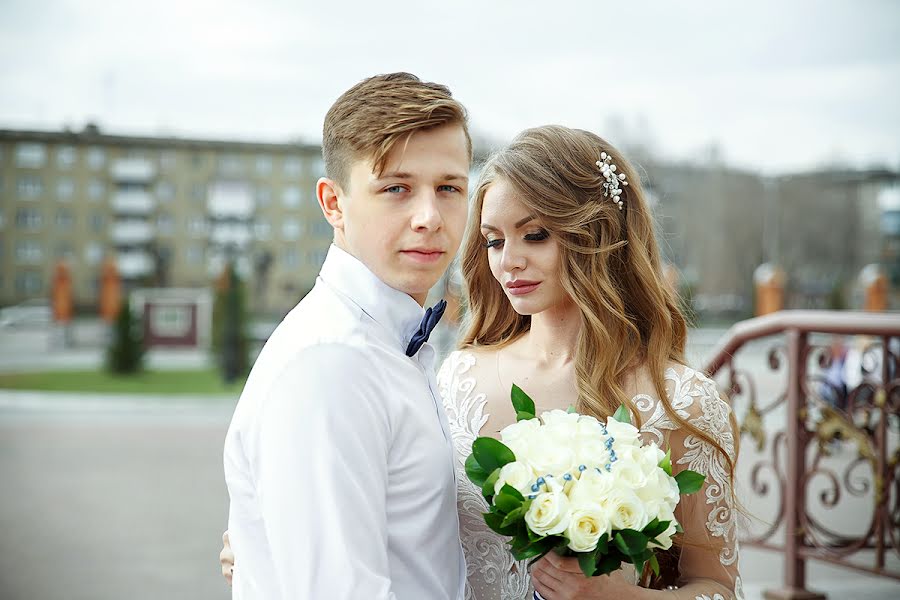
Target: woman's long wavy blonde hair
610	267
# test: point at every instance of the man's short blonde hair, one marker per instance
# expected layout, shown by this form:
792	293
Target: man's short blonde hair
368	120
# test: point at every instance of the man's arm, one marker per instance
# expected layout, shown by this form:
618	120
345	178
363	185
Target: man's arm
321	476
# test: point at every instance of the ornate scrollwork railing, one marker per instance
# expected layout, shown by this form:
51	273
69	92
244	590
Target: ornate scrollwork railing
821	437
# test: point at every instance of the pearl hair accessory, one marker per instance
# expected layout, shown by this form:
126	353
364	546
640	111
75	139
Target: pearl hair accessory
613	181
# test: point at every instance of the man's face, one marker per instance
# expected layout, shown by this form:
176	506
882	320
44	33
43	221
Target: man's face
406	224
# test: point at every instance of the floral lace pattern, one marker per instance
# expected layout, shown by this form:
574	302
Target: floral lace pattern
492	572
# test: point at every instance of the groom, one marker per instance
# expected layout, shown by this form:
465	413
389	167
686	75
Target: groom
338	461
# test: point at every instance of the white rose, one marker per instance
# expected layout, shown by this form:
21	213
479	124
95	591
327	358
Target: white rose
592	487
651	456
628	469
547	455
625	434
588	427
665	538
549	511
519	430
517	475
587	523
659	491
591	452
626	510
560	425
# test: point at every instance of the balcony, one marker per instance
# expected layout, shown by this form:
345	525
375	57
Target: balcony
130	232
138	170
230	200
228	234
133	202
135	264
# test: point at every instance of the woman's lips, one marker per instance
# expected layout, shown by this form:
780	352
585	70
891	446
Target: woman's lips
520	288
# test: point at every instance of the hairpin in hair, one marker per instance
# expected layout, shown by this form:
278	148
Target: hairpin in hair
613	181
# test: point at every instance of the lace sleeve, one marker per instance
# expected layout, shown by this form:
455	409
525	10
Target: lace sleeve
708	564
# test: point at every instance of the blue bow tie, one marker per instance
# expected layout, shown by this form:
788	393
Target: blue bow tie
431	318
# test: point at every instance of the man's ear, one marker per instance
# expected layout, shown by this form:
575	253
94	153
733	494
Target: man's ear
328	193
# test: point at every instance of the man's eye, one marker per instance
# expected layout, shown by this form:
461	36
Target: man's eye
395	189
493	243
448	188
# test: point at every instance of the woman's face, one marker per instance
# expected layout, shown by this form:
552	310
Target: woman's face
524	258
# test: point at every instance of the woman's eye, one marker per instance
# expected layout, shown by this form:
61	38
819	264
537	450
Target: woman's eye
538	236
493	243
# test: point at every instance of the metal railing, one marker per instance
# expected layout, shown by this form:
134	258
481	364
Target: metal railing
797	429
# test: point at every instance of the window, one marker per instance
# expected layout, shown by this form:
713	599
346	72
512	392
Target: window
29	283
196	225
29	187
93	253
229	164
263	164
321	227
317	166
290	197
197	161
2	221
198	192
167	160
195	254
291	258
28	219
263	196
29	251
64	250
291	229
96	189
315	258
29	154
64	219
65	189
97	222
292	166
66	157
165	224
96	157
262	228
165	191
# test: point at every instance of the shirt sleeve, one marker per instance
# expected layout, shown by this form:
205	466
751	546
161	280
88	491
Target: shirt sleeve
323	441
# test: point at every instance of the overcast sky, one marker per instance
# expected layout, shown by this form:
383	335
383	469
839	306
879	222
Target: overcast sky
775	85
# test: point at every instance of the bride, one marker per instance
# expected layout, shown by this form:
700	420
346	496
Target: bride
566	299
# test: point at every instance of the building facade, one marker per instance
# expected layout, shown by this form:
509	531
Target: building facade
170	211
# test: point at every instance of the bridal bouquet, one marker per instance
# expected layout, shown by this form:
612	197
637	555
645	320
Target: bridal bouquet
570	483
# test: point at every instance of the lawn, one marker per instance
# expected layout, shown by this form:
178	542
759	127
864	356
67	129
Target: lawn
204	382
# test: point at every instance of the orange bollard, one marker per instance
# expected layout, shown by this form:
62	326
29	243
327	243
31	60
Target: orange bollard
110	291
769	281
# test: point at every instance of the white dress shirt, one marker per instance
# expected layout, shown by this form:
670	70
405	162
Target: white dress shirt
339	461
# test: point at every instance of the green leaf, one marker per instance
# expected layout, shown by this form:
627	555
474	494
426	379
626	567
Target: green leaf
487	489
494	520
631	542
655	527
622	415
679	528
588	563
689	481
514	517
522	402
523	416
654	565
508	489
666	463
571	409
608	564
475	472
506	503
491	454
602	544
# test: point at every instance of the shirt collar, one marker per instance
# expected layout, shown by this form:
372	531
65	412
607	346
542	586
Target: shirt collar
396	311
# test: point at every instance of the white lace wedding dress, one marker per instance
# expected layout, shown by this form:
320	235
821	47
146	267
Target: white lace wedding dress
708	564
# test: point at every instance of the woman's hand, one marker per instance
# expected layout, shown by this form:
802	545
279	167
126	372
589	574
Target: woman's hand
560	578
226	558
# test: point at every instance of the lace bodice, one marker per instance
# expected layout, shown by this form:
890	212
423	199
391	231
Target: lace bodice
708	516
